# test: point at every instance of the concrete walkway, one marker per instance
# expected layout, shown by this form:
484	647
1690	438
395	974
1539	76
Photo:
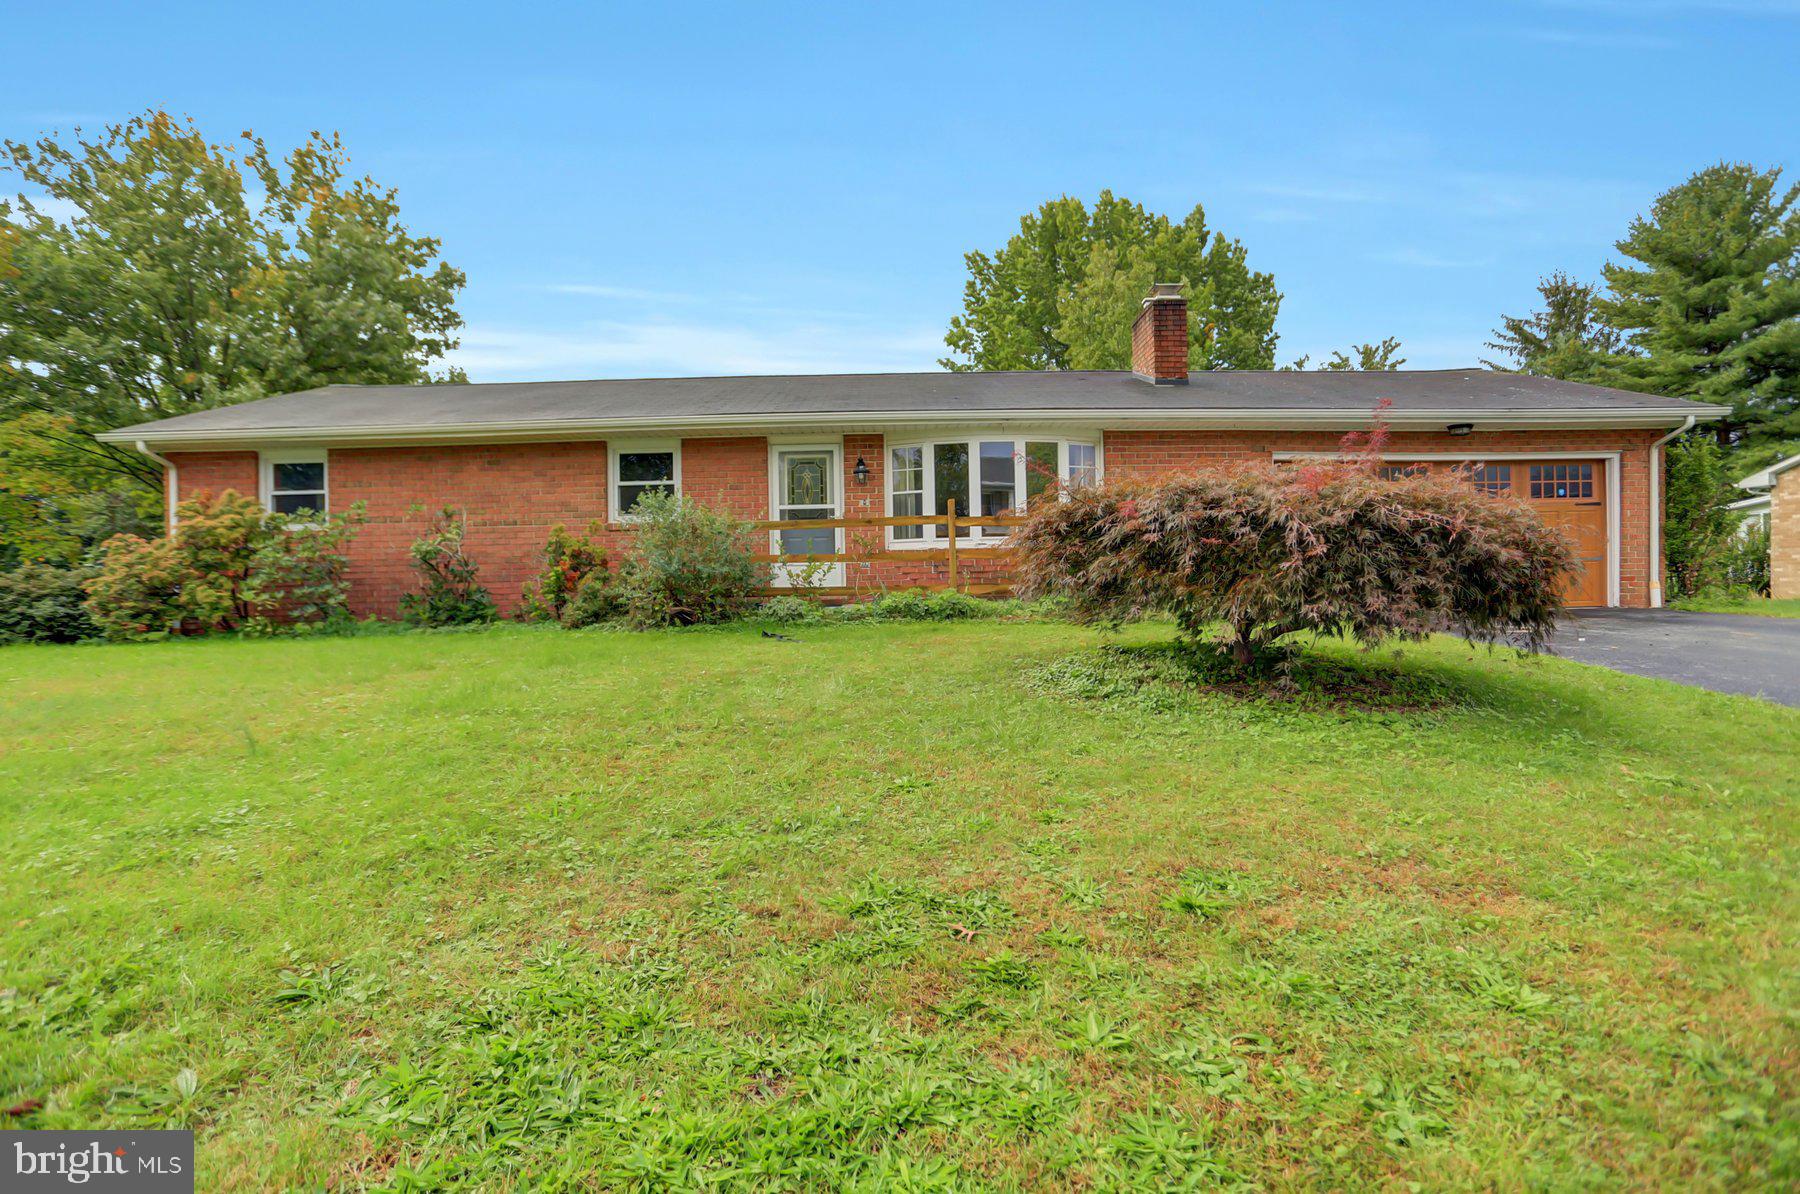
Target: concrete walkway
1740	653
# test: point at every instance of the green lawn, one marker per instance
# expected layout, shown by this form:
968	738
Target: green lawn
908	906
1788	607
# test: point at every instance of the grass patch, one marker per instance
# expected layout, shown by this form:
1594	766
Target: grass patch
1768	607
935	905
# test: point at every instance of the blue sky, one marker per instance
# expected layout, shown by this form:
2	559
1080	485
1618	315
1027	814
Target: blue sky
645	189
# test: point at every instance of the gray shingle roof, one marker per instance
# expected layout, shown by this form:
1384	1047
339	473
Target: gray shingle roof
567	405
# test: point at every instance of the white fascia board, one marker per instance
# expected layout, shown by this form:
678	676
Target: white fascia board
1219	418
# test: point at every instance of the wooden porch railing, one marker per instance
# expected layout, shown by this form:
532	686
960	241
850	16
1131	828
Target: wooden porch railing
950	554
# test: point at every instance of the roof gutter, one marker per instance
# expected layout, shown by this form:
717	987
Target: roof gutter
173	483
1656	510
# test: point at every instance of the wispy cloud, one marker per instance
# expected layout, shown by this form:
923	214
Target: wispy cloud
1482	195
680	348
1747	8
1603	39
1424	260
1285	215
1336	193
628	293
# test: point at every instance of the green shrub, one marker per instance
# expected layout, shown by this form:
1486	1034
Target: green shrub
449	594
1745	567
919	605
230	565
595	601
688	565
789	611
568	560
40	603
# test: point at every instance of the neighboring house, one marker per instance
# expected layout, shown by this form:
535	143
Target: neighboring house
1775	503
518	458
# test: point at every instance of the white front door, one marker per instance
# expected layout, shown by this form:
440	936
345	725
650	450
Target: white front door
806	484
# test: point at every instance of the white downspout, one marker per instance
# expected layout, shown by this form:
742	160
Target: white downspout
1656	554
174	485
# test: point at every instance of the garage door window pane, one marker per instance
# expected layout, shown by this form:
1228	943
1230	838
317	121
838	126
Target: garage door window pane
1562	482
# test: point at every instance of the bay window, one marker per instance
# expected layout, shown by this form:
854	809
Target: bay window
983	474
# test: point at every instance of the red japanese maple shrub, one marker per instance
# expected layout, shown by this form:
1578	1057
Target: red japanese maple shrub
1269	550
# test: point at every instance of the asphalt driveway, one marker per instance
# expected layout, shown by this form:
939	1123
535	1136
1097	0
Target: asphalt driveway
1723	652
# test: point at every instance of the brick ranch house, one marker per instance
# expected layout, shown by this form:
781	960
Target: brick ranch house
518	458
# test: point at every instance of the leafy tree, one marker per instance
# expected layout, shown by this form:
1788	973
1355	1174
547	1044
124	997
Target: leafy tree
1368	358
168	287
1711	309
1062	293
57	497
1566	339
1697	527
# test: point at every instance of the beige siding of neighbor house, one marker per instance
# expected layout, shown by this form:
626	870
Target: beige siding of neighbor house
1784	535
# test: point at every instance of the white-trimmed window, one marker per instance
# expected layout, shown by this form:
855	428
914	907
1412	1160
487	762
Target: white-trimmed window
296	480
641	468
906	480
994	474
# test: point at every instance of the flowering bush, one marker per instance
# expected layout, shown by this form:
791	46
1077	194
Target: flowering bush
688	565
568	561
230	565
1270	550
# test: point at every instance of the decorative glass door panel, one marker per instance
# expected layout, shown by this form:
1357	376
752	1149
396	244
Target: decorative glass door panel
806	487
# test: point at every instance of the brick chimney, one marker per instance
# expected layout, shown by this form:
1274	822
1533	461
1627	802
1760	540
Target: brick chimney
1159	340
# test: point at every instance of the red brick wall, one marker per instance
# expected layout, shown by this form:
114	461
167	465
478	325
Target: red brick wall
1145	453
512	494
509	495
727	474
214	473
1159	343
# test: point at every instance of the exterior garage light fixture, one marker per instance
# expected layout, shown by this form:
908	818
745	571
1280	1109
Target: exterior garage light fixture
1460	428
861	471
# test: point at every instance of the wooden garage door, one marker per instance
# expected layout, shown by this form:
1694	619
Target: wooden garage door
1569	495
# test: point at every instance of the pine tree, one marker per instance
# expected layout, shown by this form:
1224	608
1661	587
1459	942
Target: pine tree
1711	310
1567	339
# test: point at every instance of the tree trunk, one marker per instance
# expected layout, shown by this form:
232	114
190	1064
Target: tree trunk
1241	650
